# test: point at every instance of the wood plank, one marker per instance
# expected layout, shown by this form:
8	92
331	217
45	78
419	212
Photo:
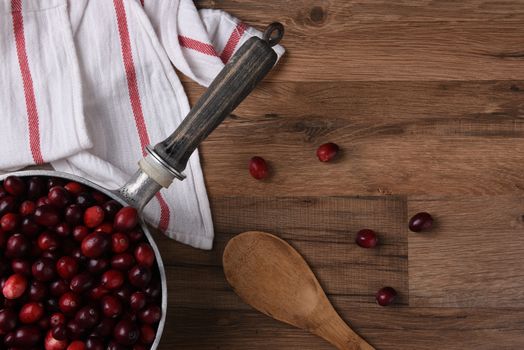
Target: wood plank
397	138
473	258
321	229
388	329
327	41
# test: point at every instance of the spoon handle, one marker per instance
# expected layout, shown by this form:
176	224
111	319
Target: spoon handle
338	333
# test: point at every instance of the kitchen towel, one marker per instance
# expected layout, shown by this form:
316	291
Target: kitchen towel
87	84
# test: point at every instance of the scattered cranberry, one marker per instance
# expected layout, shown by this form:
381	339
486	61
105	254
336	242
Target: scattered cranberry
366	238
14	286
327	151
126	219
386	296
420	222
258	168
93	216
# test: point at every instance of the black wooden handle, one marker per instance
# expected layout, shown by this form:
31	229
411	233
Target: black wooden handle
237	79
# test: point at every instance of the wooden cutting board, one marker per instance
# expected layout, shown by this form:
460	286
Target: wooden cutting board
426	100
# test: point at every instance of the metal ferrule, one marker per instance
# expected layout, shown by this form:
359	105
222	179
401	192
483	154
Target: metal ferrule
139	190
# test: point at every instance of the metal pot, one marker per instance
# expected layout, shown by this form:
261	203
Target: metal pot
167	160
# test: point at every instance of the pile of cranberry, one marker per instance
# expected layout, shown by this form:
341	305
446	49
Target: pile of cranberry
76	271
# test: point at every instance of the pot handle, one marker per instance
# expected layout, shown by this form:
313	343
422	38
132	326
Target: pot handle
237	79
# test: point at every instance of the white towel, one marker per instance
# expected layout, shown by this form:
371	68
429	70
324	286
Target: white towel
87	84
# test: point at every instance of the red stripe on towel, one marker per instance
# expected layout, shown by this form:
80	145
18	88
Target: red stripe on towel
196	45
233	42
134	97
29	92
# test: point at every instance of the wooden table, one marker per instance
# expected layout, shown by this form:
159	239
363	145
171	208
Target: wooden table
426	99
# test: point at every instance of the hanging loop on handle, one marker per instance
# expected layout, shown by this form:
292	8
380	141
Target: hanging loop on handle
274	33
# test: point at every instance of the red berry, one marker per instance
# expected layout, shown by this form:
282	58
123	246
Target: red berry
63	229
9	221
58	197
59	332
366	238
106	227
98	292
47	241
7	320
119	242
147	334
80	232
81	282
14	185
31	312
95	245
74	214
74	187
77	345
420	222
67	267
258	168
56	319
14	286
20	266
139	276
112	279
145	255
111	306
138	300
27	208
27	336
37	291
43	269
126	332
96	266
46	215
51	343
122	261
386	296
93	216
69	302
151	314
17	246
126	219
327	151
87	317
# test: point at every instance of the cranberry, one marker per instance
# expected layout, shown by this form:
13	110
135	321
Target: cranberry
85	200
44	269
111	306
29	227
57	288
366	238
126	332
77	254
98	292
20	266
74	214
7	320
386	296
63	229
80	232
36	187
79	345
258	168
420	222
99	197
112	279
52	343
52	254
69	302
57	319
14	286
17	246
42	201
58	197
136	235
113	345
119	242
96	266
124	293
59	332
74	187
147	334
44	323
145	255
31	312
27	208
126	219
81	282
139	276
27	336
46	215
55	181
122	261
37	291
153	290
9	221
105	327
105	227
7	204
14	185
151	314
327	151
95	245
47	241
137	300
74	331
93	216
111	208
87	317
93	343
67	267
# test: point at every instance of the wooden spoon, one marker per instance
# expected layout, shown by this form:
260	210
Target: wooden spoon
268	274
